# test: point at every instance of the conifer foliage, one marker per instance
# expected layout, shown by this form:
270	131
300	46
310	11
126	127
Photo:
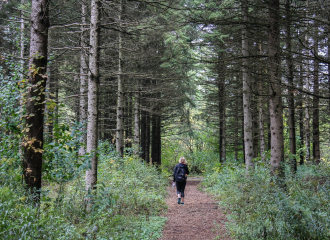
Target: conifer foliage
244	80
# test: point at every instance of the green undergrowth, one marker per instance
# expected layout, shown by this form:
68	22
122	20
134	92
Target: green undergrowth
258	209
128	203
198	162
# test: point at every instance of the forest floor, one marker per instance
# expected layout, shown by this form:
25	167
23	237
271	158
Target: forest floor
199	218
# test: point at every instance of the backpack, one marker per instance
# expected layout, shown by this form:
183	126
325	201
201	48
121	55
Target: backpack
181	175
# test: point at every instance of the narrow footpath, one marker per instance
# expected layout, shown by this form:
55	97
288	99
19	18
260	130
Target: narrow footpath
199	218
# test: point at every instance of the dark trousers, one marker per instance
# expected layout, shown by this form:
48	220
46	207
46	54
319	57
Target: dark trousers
180	186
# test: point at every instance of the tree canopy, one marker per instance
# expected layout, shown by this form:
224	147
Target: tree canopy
217	81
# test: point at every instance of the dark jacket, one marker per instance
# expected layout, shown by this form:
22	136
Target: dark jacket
179	165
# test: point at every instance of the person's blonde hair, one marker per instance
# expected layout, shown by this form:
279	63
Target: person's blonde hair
182	160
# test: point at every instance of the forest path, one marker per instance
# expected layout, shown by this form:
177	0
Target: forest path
199	218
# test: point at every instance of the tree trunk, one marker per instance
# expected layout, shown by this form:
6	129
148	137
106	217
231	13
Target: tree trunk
22	42
93	85
83	76
291	117
137	122
56	81
33	140
269	134
48	127
147	139
128	123
120	100
316	103
156	140
307	127
221	96
260	110
223	137
328	54
307	99
275	103
316	115
255	126
237	125
247	93
22	48
261	124
301	116
143	134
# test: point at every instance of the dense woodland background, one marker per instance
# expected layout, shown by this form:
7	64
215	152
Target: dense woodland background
99	99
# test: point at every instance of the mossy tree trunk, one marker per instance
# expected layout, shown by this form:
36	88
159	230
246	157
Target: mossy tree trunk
35	98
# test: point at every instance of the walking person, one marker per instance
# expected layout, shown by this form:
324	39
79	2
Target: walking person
180	178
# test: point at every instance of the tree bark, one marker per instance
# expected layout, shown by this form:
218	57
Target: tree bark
328	54
223	137
156	140
316	114
137	122
22	48
237	126
128	121
145	124
307	99
143	134
22	42
247	93
307	122
291	105
222	109
93	85
269	134
147	139
33	140
275	103
301	116
255	126
261	124
120	99
83	76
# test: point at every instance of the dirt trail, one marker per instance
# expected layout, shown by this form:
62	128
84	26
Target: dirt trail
199	218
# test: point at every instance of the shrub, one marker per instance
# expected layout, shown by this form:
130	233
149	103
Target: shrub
261	210
127	203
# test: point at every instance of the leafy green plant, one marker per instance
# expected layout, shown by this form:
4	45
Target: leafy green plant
261	210
62	162
126	205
